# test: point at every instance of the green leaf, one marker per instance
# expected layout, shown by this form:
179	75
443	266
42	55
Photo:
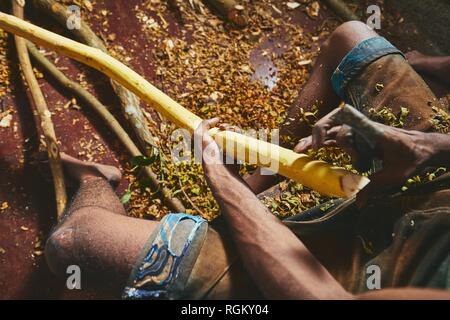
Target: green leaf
126	197
195	191
143	161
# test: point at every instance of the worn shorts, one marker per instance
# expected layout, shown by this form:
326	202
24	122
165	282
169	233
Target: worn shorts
406	236
375	75
185	258
164	266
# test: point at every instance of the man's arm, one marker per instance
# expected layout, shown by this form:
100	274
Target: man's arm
277	260
279	263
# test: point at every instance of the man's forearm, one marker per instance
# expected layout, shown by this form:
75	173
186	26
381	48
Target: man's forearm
441	144
279	263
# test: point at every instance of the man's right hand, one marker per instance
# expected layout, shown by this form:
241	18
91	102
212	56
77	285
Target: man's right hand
404	153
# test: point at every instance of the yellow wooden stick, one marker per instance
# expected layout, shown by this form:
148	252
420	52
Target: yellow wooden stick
314	174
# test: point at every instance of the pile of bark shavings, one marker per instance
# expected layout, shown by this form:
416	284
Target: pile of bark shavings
247	77
4	69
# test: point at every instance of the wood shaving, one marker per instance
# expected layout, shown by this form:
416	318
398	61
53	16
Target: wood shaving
292	5
5	122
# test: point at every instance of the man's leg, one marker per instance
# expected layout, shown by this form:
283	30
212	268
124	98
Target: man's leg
95	233
318	91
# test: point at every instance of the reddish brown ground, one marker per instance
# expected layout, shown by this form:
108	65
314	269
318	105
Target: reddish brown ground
29	216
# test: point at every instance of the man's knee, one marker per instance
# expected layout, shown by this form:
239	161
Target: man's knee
352	29
344	38
59	250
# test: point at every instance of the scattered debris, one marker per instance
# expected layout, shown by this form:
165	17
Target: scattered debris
386	116
5	121
440	120
367	245
88	5
424	177
276	9
313	9
4	66
305	62
379	87
38	74
38	252
292	5
4	206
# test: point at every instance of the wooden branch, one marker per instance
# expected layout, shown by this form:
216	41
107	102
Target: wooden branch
172	202
314	174
341	9
44	116
129	102
231	10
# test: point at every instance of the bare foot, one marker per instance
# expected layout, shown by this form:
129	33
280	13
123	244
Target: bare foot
435	66
417	60
414	55
423	63
83	170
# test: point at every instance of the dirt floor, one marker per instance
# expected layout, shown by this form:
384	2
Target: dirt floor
26	196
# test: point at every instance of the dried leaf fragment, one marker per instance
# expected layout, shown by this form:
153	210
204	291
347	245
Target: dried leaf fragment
292	5
305	62
313	9
5	122
379	87
4	206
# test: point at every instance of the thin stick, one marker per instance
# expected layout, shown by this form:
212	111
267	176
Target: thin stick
232	11
189	199
341	9
44	116
317	175
129	102
172	202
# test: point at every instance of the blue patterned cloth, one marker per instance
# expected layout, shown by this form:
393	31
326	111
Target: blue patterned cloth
357	59
167	259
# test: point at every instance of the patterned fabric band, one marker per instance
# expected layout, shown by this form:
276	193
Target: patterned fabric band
162	270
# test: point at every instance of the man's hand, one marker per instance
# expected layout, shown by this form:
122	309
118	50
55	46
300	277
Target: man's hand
206	149
403	153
